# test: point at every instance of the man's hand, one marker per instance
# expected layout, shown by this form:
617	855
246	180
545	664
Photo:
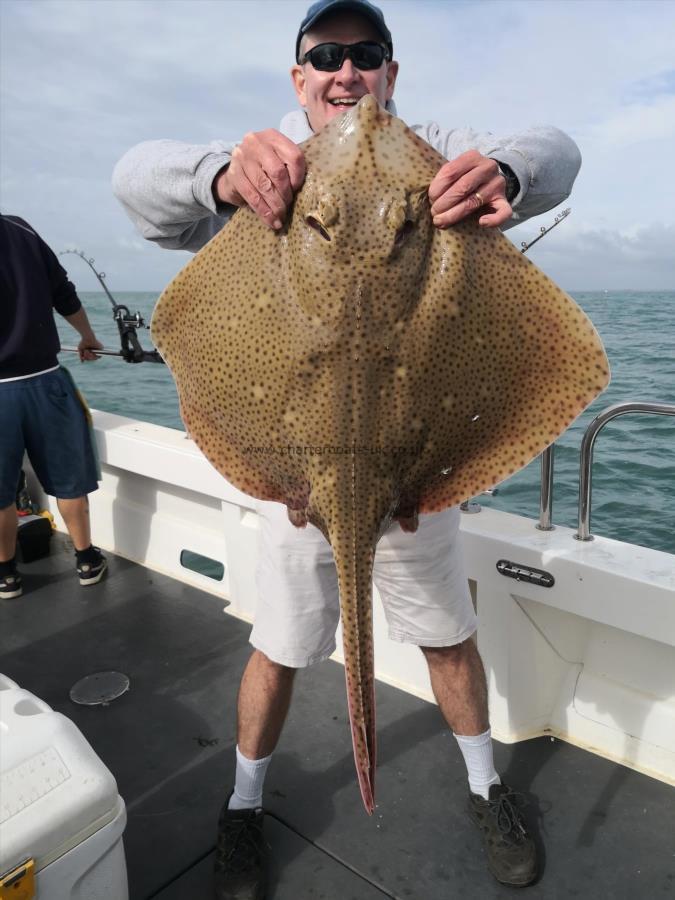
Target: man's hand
465	184
87	346
265	172
88	342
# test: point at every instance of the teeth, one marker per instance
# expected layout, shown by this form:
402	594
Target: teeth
344	101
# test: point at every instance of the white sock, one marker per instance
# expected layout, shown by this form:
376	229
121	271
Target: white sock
248	782
477	752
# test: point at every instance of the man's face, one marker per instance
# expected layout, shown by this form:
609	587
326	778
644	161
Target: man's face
320	92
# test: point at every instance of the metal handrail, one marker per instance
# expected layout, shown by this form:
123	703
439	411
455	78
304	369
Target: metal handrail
546	492
586	457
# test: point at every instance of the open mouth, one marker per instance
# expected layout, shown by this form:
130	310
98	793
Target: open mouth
344	101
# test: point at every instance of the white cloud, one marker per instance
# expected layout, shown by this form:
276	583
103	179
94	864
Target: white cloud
583	257
640	123
83	81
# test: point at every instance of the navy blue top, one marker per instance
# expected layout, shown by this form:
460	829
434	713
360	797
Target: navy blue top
32	284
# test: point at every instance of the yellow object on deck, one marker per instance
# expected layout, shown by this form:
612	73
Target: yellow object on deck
19	882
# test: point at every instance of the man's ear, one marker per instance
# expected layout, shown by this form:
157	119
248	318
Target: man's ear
392	72
298	79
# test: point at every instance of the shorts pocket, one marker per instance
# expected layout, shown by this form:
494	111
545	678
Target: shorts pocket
57	393
57	389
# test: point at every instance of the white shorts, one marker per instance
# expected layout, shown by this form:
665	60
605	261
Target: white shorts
420	578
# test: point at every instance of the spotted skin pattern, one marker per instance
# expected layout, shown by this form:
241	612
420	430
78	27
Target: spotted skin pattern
363	364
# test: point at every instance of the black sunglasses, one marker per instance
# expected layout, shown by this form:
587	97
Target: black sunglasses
330	57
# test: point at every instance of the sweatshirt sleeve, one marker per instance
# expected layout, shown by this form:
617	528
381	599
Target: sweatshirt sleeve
165	188
64	296
544	160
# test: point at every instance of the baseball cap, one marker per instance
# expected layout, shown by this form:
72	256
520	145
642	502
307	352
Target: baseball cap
362	7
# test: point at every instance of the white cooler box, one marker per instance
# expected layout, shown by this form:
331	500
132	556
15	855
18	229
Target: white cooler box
61	818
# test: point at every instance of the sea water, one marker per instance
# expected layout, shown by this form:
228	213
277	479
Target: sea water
634	458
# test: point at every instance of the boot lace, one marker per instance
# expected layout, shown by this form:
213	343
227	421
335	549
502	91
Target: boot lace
506	810
239	844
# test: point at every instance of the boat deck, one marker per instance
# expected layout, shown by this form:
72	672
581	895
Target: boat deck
603	830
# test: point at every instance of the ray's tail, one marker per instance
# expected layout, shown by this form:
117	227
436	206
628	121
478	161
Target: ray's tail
354	563
353	536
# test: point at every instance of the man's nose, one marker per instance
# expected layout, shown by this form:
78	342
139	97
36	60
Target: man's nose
348	72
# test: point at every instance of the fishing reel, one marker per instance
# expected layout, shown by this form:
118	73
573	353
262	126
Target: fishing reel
127	324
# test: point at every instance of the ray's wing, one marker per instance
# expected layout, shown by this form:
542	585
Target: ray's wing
228	332
510	362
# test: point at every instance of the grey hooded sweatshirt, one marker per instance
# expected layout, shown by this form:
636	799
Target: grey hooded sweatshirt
165	186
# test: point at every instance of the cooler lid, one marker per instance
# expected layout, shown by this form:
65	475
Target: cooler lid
54	790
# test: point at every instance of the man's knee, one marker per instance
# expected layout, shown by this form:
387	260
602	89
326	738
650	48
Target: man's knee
270	668
453	654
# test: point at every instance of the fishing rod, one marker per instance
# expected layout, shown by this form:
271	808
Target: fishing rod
558	219
127	324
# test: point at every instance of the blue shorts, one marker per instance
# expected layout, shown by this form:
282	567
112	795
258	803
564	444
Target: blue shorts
44	417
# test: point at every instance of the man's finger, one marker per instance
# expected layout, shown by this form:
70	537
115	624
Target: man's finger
262	184
484	180
495	189
293	158
502	213
451	172
296	166
460	211
265	171
487	193
252	197
278	176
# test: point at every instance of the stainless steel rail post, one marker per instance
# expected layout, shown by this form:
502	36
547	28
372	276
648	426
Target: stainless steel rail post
586	457
546	491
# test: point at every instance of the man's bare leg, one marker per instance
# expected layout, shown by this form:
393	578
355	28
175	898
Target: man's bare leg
264	697
459	686
8	526
458	682
75	514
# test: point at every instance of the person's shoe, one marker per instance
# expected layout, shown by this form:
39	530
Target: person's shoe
241	863
93	569
511	854
10	586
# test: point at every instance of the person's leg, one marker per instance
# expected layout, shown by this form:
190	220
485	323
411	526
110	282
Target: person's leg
8	529
296	617
295	621
10	580
459	686
91	563
11	456
264	698
75	513
59	446
425	593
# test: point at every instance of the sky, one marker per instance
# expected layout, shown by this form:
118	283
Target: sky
82	81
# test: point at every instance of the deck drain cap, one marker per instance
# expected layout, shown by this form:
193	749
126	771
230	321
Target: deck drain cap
99	689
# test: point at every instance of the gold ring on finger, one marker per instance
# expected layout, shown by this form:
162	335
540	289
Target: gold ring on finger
478	197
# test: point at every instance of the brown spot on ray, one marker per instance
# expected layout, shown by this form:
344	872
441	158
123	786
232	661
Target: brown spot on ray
364	364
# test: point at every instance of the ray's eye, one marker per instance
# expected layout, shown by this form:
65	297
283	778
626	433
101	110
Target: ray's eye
403	232
317	226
